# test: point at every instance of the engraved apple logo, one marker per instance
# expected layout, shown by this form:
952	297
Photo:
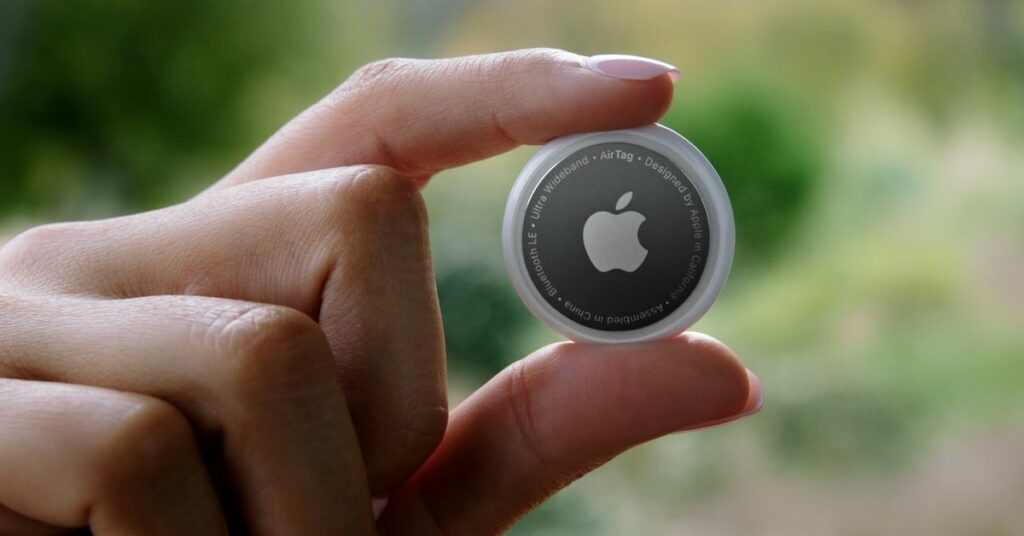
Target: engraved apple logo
612	241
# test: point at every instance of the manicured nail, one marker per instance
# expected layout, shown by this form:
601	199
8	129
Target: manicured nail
378	506
626	67
755	401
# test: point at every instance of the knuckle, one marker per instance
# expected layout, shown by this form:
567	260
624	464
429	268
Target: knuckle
149	441
381	71
37	243
372	193
377	74
264	346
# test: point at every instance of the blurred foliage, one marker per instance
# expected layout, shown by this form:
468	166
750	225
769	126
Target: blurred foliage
765	147
481	313
856	426
121	97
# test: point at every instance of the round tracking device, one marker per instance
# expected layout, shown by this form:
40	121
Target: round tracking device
619	236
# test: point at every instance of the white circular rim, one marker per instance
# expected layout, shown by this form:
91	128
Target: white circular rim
704	178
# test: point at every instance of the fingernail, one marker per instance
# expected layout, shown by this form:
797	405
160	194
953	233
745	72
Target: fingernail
755	401
755	395
378	506
626	67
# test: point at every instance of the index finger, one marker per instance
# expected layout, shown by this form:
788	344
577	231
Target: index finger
422	116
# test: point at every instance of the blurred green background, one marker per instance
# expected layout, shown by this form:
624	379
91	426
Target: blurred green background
872	150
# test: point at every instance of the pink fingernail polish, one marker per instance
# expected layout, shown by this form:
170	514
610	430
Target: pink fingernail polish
626	67
755	401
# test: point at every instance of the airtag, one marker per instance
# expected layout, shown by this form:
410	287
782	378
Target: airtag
619	236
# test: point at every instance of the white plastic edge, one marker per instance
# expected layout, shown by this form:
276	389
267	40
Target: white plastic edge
705	179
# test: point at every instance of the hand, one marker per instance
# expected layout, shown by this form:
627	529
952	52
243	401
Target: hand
268	356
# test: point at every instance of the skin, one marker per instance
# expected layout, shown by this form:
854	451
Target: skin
267	356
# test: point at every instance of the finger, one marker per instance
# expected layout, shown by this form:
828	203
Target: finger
257	381
347	247
120	463
420	116
556	415
12	522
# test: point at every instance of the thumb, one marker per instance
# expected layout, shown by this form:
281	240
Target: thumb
559	413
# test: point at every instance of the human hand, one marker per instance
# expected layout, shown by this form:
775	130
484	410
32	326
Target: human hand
268	356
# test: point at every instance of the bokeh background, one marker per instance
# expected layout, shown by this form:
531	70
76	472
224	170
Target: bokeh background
873	151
